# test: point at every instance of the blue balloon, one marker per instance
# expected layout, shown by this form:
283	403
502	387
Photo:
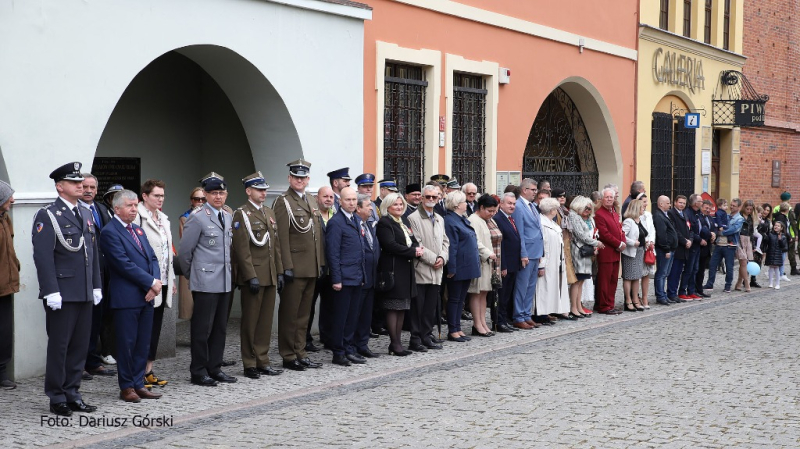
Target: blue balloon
753	269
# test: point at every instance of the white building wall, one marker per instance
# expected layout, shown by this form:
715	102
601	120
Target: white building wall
64	64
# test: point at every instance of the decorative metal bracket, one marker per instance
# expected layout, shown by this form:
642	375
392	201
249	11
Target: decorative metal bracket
677	112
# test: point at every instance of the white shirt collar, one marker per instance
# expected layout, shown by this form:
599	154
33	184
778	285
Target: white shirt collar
71	205
255	205
124	225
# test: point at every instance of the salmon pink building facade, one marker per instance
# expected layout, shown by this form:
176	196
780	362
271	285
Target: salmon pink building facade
494	91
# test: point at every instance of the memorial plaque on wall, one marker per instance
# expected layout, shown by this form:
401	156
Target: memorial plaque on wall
118	170
776	173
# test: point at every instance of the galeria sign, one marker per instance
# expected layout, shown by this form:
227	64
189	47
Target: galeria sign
670	67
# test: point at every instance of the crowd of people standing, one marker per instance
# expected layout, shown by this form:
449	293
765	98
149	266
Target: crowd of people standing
408	261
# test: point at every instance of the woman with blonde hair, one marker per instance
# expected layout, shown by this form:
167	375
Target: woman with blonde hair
633	255
584	233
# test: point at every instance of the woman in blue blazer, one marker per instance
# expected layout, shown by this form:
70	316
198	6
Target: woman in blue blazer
464	263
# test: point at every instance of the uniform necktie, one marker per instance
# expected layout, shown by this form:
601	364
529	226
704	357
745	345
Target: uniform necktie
221	220
78	216
135	239
97	221
367	234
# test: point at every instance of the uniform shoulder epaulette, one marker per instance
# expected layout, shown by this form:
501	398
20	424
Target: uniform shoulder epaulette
197	209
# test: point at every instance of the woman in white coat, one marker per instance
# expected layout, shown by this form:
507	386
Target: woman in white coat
650	242
485	229
157	228
633	255
552	294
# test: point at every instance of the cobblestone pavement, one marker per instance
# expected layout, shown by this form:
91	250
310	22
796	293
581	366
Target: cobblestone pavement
716	373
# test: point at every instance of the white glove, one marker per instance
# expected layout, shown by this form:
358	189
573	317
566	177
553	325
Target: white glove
54	301
98	295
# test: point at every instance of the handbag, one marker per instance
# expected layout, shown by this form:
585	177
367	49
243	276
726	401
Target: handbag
586	251
497	280
650	256
385	280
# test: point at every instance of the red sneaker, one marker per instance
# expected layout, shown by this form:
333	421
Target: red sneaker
694	296
686	297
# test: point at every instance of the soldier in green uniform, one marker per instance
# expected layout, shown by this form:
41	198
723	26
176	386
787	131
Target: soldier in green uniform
259	273
303	258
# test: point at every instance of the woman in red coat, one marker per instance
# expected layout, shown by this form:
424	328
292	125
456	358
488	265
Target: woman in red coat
610	231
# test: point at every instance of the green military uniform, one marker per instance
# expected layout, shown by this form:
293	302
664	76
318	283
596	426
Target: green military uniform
257	252
303	258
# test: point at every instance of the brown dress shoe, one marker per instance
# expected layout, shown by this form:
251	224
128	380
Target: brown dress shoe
533	324
523	325
144	393
129	395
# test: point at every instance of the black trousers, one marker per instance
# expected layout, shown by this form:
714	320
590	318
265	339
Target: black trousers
423	312
158	320
93	355
6	333
208	327
67	342
345	307
701	271
364	326
505	300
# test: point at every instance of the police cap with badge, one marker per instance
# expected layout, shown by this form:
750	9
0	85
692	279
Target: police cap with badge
67	172
342	173
365	179
453	184
388	184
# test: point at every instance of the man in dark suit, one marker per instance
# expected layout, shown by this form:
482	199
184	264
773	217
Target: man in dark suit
678	217
205	259
707	237
666	243
471	190
344	253
134	280
686	291
68	270
101	314
510	261
372	252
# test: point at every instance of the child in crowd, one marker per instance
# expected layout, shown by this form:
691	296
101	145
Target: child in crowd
774	246
721	216
758	234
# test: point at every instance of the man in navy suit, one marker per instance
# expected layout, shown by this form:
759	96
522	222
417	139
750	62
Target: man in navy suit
134	280
693	213
372	251
344	253
510	260
527	220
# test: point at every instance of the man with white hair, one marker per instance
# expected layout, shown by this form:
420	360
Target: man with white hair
610	233
471	190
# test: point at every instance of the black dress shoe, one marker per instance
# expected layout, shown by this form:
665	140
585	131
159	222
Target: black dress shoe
706	295
80	406
504	328
466	315
222	377
228	362
204	381
431	345
373	335
269	371
310	347
294	365
381	331
340	360
61	409
416	347
368	353
611	312
402	353
86	376
753	283
308	363
355	358
434	339
252	373
102	371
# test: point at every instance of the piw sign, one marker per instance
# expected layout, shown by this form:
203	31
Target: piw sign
748	113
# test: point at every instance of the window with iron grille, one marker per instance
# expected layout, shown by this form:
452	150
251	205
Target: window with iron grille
469	129
404	123
687	18
559	149
672	166
663	18
726	26
707	27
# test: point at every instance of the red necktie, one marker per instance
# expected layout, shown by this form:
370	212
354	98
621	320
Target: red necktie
135	239
513	225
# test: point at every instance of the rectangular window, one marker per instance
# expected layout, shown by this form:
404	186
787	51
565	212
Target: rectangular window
404	123
707	23
672	166
687	18
726	26
663	18
469	129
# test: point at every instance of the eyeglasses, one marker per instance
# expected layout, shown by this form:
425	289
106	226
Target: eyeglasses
201	199
472	193
431	197
587	209
158	197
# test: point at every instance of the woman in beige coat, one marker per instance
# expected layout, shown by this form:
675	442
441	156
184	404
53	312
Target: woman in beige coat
428	228
480	287
157	228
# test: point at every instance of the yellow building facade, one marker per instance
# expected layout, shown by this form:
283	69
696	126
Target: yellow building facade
685	49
